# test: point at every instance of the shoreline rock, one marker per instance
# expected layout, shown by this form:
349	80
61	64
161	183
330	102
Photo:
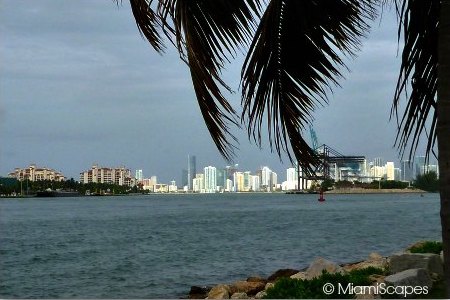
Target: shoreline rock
404	267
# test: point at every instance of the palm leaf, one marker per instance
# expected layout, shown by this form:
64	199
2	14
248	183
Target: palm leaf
293	60
419	21
147	22
207	34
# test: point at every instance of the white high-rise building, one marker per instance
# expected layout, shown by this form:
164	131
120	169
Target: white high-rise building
254	183
273	181
139	175
265	177
198	183
304	184
173	187
377	172
229	185
390	171
210	179
291	179
238	181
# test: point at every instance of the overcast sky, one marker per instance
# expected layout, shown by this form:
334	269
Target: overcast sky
78	85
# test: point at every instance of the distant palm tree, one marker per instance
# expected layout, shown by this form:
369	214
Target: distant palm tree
295	50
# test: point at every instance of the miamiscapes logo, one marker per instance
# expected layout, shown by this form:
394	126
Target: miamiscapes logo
376	289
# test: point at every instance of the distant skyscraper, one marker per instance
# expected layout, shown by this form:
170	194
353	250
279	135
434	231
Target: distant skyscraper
273	181
255	186
192	170
184	177
198	183
398	174
139	175
407	173
247	181
221	178
390	170
238	181
265	177
210	179
291	175
291	179
419	166
378	162
231	170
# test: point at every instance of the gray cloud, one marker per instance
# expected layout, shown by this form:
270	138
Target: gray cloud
79	85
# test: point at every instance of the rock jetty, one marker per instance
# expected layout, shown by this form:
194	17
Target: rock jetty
405	268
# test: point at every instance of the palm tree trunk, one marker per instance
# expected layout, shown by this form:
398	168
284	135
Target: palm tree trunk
443	131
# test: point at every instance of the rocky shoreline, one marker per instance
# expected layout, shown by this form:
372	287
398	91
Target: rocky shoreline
404	268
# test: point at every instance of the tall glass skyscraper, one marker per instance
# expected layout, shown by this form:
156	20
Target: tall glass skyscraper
192	170
420	167
407	173
221	178
184	177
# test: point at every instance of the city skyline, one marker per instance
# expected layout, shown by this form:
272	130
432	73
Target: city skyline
80	86
371	169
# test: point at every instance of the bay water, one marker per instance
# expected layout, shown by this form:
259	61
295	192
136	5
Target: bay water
157	246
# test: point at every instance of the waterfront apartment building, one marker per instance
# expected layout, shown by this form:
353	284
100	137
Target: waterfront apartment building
149	184
198	183
34	173
255	185
238	181
119	176
210	179
390	170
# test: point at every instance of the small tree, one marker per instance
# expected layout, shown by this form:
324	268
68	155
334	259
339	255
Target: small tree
428	182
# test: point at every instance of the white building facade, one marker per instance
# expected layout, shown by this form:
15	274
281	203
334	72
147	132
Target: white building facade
210	179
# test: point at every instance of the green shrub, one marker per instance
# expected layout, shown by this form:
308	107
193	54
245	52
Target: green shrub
427	247
361	276
287	288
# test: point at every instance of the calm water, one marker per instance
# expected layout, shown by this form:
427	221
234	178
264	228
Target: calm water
158	246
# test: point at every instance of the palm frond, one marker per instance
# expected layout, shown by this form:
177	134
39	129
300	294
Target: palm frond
207	34
419	20
148	22
294	58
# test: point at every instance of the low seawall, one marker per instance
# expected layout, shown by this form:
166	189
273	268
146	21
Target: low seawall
374	191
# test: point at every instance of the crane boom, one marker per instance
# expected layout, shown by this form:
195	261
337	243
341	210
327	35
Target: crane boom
314	141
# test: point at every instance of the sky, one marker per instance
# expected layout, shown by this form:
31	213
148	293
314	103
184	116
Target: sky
79	85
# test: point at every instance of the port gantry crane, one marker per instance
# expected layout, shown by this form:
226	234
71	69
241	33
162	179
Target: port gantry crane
328	156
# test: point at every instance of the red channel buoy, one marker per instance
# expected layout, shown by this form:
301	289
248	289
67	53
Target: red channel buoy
321	198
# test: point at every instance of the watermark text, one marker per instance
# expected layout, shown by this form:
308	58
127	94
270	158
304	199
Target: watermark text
376	289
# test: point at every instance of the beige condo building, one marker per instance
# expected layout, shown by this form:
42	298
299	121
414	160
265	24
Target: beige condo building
34	173
119	176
